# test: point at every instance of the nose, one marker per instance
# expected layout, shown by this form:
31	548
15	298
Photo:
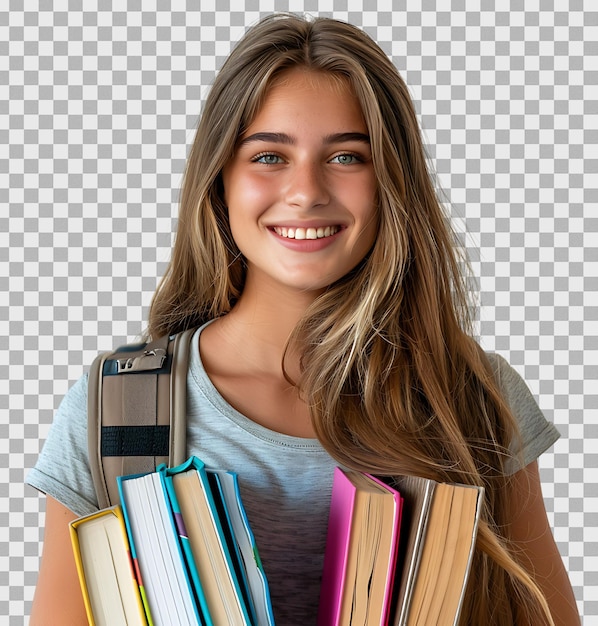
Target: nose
306	186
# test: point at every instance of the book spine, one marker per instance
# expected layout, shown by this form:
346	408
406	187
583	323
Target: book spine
392	565
337	545
141	586
133	552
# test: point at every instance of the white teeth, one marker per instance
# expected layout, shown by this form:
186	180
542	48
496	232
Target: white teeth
306	233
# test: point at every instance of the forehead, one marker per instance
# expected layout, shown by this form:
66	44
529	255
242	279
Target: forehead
300	92
312	79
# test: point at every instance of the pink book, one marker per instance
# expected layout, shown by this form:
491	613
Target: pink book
342	506
337	546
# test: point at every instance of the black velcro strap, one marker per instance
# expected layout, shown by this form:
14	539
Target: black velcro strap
135	440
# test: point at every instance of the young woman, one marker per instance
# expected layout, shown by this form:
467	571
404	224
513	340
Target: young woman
314	258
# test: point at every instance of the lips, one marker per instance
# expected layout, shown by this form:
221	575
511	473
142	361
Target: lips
320	232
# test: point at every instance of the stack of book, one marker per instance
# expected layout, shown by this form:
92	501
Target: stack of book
397	554
179	550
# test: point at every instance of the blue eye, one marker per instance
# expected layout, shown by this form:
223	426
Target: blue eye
268	159
346	159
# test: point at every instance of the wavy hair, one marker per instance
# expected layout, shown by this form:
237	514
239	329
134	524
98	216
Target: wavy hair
394	380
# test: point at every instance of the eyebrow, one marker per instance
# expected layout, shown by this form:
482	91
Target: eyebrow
283	138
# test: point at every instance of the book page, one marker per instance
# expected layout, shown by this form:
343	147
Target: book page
347	600
382	544
144	547
366	555
371	550
425	584
446	556
445	561
464	544
101	565
159	558
171	553
207	549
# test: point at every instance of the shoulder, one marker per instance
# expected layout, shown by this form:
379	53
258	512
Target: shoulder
76	396
536	433
515	391
62	469
71	414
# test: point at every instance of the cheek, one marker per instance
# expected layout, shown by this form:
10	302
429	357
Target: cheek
360	192
244	190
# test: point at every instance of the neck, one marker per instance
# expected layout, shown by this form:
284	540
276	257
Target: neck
262	321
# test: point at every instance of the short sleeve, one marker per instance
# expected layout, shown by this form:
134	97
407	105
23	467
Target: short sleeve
537	434
62	469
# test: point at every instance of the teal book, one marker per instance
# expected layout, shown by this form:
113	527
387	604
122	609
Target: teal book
205	523
187	552
222	510
154	540
252	570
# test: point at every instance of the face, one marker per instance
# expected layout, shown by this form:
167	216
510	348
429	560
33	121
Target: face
300	188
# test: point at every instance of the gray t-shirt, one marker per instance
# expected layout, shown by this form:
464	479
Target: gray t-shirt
285	481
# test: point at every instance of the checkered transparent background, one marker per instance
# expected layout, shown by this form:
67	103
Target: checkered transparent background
97	109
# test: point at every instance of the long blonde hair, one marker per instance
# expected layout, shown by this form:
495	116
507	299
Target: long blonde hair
393	378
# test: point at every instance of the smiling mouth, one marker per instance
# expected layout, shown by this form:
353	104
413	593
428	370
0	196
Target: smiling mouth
306	233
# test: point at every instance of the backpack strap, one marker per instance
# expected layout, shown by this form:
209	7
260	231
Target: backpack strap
137	401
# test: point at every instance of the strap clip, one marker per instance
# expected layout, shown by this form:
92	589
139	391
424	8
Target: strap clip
149	360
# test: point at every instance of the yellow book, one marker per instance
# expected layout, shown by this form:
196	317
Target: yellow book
111	591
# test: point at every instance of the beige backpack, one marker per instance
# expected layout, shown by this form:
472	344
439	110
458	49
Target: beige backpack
137	410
